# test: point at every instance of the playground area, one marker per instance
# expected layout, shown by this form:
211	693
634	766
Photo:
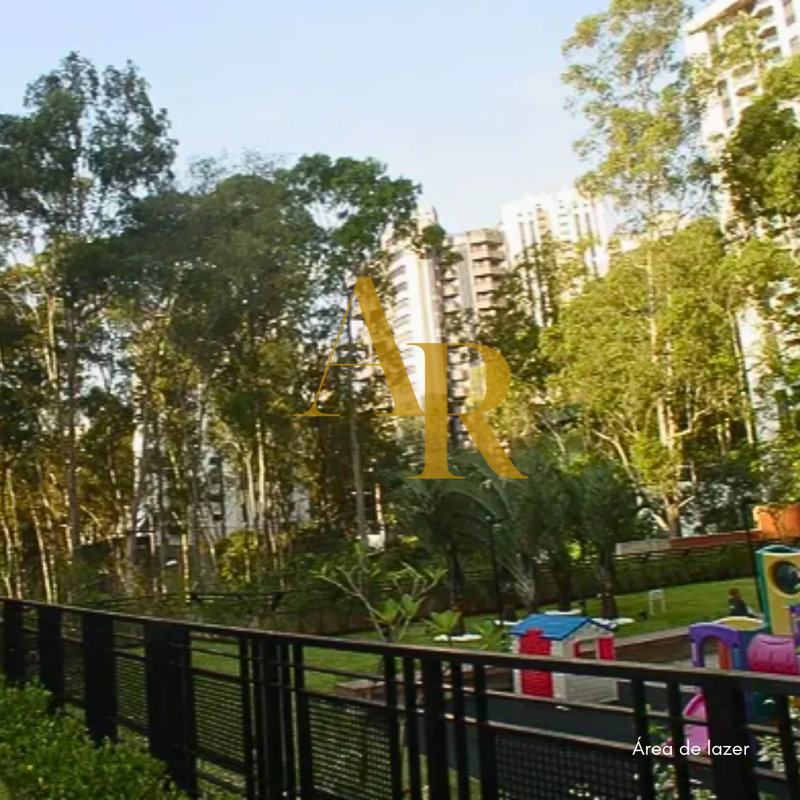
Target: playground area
461	722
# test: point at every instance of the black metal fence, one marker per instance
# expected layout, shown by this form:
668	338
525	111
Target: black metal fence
272	715
317	608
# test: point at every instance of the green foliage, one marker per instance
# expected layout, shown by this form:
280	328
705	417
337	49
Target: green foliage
445	623
44	756
493	637
603	352
631	85
392	597
760	160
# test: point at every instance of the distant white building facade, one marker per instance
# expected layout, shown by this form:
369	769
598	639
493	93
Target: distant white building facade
779	33
566	216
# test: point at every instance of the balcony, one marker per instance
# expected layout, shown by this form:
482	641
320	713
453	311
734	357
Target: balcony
768	30
745	85
762	8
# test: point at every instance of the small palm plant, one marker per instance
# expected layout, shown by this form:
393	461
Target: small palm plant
493	637
444	623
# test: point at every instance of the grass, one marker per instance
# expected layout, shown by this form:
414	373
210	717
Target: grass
684	605
699	602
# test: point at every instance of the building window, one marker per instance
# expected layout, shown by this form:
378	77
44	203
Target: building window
794	45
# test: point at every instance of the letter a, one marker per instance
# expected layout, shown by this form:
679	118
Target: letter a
390	361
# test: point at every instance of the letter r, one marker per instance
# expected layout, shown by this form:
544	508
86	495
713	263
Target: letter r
498	382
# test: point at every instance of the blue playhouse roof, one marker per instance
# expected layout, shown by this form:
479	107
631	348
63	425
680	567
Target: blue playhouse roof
555	626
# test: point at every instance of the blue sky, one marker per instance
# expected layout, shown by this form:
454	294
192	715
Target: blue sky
462	96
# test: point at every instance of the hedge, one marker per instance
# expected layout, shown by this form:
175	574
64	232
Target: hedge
49	756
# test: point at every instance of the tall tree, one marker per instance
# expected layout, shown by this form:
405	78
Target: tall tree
359	208
634	89
601	351
71	166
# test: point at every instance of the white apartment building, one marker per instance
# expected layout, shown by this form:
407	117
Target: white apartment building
779	32
420	299
411	313
565	216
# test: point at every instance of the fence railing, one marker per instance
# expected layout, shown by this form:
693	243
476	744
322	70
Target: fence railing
264	715
314	609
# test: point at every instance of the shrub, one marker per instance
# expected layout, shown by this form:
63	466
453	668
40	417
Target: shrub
50	756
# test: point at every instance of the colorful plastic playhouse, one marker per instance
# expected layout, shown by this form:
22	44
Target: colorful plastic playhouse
743	643
568	636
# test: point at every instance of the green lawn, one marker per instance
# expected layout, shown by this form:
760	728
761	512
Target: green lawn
684	605
702	602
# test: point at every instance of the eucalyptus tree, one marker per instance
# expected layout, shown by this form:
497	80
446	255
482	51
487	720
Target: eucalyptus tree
637	93
601	354
360	212
86	147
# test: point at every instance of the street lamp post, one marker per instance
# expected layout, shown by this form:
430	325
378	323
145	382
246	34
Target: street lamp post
492	523
495	570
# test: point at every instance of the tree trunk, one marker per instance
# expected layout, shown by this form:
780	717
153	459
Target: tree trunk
608	600
665	412
563	581
71	445
457	588
43	560
672	515
10	527
355	449
532	600
745	389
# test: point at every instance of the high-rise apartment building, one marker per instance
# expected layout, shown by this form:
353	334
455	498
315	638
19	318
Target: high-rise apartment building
779	33
566	217
468	287
426	293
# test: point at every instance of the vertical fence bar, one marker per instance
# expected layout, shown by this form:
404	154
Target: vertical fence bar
13	641
170	701
487	763
273	728
248	720
642	729
460	732
727	717
99	675
51	653
183	764
788	745
259	717
303	723
287	707
395	745
682	779
435	729
412	728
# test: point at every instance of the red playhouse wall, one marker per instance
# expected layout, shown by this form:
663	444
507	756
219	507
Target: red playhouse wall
533	682
605	649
